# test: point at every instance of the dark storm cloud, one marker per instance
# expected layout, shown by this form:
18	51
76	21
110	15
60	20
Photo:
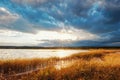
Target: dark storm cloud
112	10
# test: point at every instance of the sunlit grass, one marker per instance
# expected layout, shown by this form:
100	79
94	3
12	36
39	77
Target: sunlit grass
98	64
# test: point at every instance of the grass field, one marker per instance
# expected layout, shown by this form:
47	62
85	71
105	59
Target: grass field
96	64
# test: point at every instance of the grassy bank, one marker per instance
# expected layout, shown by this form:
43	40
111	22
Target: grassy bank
100	64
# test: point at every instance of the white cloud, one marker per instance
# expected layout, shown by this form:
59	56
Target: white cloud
6	16
80	34
13	21
8	37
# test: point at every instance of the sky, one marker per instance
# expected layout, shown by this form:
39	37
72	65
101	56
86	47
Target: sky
51	23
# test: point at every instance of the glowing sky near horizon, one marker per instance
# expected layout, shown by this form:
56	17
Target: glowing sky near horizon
60	22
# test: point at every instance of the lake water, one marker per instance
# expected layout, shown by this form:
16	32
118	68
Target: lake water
36	53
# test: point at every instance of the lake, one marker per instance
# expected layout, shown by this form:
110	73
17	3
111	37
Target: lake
36	53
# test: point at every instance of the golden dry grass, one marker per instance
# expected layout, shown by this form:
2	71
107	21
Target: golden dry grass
98	64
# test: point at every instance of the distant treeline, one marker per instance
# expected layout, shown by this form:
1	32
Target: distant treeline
36	47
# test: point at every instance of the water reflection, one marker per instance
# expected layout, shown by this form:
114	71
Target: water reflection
64	64
36	53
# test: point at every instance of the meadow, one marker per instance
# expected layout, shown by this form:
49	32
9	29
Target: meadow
96	64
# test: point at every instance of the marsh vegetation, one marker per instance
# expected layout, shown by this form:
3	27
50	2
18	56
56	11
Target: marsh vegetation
96	64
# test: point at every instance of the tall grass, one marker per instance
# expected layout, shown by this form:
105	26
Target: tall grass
23	65
93	65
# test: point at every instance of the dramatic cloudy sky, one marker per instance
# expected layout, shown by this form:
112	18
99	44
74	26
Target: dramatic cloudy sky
60	22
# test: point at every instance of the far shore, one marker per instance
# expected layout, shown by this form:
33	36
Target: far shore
38	47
